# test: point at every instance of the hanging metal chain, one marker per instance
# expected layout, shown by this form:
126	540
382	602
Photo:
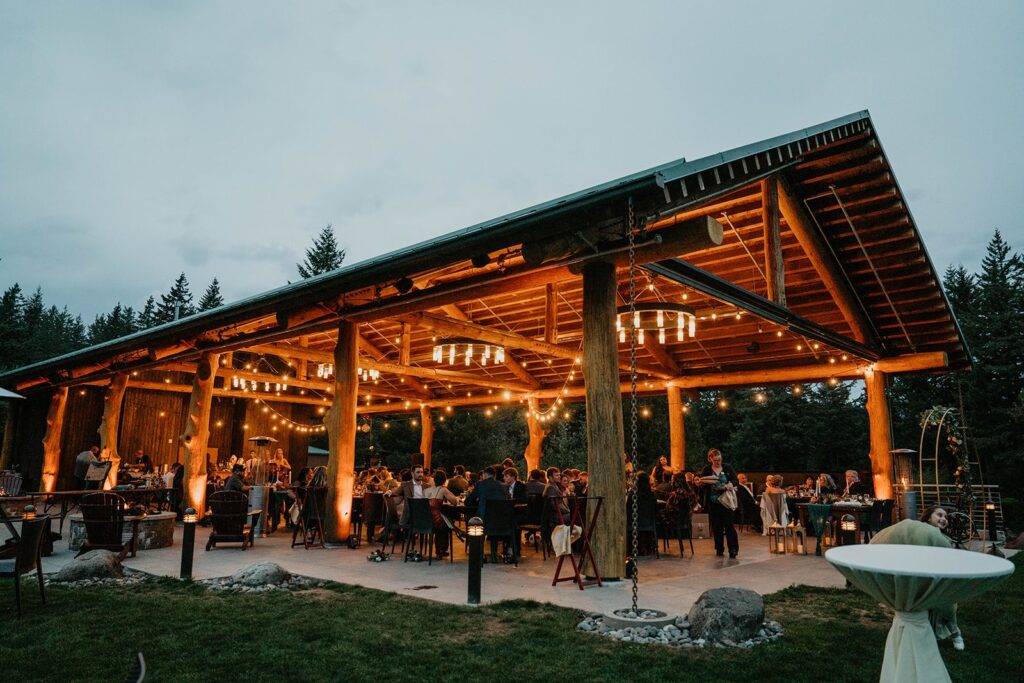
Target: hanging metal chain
631	227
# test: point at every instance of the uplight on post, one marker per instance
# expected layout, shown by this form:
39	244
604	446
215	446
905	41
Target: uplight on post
188	541
848	528
475	531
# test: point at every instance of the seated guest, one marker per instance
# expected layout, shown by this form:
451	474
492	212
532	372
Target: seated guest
458	483
660	469
853	485
438	495
747	512
413	487
236	482
506	463
826	484
516	489
581	484
536	483
474	479
144	460
663	484
555	489
486	489
684	494
774	507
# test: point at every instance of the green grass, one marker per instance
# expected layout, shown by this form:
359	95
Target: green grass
344	633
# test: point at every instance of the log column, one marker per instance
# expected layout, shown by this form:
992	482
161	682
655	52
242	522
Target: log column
604	417
110	424
341	431
51	440
534	451
880	430
196	436
426	436
676	429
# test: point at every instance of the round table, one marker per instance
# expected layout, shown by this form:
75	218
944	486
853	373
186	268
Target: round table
911	580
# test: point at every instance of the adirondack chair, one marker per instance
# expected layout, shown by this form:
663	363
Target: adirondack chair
103	516
229	514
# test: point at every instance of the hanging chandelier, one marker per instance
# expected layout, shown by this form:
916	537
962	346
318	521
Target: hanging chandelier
247	385
324	370
656	317
466	349
367	375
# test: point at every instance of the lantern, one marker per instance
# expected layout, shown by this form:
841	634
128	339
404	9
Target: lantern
800	539
791	538
848	528
776	539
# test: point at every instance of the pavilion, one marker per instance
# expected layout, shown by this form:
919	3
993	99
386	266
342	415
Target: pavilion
788	260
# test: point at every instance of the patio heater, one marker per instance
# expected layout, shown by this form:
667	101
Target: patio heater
260	494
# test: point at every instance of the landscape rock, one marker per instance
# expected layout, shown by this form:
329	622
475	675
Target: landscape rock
261	574
95	564
726	614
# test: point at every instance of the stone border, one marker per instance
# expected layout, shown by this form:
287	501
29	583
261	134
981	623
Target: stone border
675	634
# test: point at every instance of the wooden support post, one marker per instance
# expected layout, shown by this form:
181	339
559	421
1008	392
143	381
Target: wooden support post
426	435
405	350
196	436
880	430
676	429
534	451
10	429
551	313
773	261
51	440
109	424
341	431
604	417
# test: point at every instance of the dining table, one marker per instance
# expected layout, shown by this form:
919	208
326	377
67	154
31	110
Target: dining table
911	579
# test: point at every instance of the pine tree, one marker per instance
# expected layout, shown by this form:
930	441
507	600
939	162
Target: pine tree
180	298
212	297
12	324
118	323
147	317
324	256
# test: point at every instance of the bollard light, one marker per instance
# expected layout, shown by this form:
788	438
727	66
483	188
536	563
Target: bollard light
848	527
475	531
30	512
188	541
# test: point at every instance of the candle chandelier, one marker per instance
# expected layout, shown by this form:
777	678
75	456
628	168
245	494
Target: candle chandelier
450	350
326	371
658	317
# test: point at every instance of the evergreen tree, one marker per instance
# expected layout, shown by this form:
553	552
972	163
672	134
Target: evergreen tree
119	322
212	297
180	298
12	323
324	256
147	317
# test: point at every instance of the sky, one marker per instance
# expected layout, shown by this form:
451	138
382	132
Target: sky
139	140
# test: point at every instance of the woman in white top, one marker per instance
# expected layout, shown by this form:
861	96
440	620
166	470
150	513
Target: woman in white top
438	495
774	507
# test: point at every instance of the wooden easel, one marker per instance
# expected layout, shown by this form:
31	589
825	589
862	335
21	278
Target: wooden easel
576	518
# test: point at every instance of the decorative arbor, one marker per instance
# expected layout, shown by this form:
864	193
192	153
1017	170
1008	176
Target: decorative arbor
795	256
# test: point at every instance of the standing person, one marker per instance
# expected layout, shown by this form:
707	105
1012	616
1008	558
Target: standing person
716	478
179	488
82	462
282	462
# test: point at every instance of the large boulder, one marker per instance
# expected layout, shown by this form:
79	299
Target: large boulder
95	564
261	574
721	614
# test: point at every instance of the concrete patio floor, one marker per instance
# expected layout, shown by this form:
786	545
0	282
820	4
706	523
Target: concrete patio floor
670	584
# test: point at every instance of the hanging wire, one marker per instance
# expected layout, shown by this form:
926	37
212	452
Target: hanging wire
632	398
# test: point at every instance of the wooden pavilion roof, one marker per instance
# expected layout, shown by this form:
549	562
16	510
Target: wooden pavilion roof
859	289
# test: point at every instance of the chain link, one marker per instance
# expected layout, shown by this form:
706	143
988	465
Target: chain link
631	227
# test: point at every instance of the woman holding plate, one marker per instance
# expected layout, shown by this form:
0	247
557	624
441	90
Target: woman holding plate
718	483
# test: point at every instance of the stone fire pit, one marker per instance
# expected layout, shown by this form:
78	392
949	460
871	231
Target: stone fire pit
156	530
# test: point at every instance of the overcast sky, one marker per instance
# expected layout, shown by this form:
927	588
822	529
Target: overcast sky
139	140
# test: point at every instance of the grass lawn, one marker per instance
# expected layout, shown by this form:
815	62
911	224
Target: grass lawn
339	632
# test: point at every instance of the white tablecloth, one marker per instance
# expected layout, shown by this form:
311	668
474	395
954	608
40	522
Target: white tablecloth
911	580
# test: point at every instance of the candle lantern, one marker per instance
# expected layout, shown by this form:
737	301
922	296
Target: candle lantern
776	539
800	539
791	538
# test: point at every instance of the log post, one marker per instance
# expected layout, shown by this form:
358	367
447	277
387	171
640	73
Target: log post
551	313
426	436
773	262
676	429
110	423
880	429
534	447
10	429
196	436
51	440
341	431
405	349
604	417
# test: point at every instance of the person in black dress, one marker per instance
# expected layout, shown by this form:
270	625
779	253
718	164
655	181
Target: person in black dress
715	479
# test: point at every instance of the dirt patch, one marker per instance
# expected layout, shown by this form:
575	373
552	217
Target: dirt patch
810	611
322	595
490	628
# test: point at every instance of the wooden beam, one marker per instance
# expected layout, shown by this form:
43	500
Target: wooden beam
604	417
109	423
459	328
661	354
774	266
550	313
196	436
51	440
880	430
828	270
426	436
341	431
676	429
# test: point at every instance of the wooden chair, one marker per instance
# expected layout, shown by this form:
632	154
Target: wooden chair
103	516
311	518
647	520
230	517
420	527
27	557
533	522
373	513
500	523
678	526
879	517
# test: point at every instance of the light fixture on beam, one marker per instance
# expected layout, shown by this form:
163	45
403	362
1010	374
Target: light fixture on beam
657	317
462	348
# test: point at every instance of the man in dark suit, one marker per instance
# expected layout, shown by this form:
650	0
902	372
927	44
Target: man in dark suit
515	488
486	489
407	490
